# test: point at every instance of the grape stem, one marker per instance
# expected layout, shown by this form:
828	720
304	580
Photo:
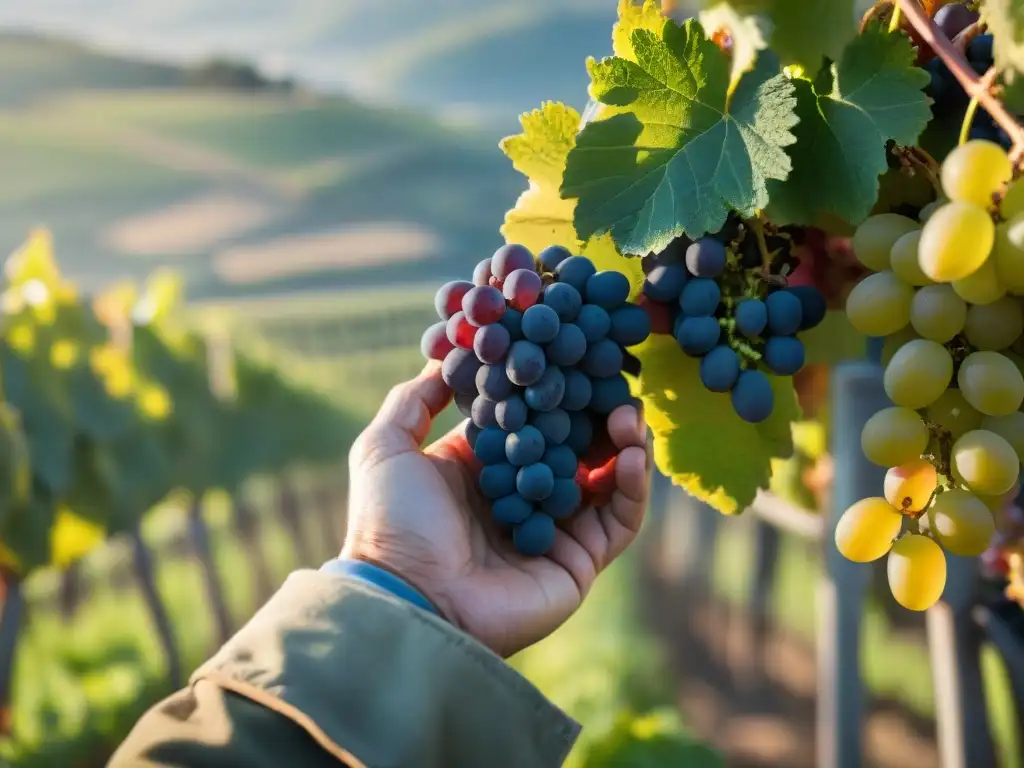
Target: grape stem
919	160
762	246
972	108
896	20
978	88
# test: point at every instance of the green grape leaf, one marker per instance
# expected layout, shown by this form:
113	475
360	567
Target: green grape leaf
802	32
31	386
541	217
847	115
673	152
25	539
16	478
699	440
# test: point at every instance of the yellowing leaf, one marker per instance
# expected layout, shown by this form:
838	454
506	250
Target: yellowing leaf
699	441
154	402
632	17
539	152
33	261
541	217
162	295
64	354
73	537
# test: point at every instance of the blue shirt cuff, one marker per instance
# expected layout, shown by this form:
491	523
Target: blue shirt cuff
380	578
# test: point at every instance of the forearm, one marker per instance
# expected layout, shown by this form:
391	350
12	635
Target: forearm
352	675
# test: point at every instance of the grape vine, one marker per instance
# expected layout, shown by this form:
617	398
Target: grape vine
720	164
108	407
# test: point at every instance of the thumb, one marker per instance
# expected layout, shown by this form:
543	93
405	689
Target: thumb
404	420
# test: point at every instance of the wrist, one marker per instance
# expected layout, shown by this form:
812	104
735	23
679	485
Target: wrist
384	578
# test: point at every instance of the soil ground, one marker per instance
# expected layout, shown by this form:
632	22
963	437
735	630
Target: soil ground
755	701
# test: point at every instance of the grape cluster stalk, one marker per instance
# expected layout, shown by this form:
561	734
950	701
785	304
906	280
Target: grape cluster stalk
713	295
945	294
534	350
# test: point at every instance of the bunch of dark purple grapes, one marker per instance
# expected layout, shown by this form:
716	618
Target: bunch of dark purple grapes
534	350
719	310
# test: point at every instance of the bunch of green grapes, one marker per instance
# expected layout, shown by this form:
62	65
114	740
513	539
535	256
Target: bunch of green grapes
946	296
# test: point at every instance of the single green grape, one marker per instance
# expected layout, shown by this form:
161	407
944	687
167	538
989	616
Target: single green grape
937	312
975	172
991	383
994	326
874	239
1008	252
955	241
879	304
953	413
903	260
918	374
896	340
982	286
961	522
1012	204
894	436
985	462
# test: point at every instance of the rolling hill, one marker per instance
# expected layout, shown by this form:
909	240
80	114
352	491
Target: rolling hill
491	58
245	192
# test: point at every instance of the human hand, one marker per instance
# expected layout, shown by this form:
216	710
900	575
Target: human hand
419	514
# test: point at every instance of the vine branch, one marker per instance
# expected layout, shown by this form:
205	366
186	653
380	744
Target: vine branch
977	88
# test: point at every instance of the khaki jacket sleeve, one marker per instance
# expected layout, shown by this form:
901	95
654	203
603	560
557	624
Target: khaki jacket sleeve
336	672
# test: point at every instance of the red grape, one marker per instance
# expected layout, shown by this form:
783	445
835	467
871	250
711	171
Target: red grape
460	331
435	343
522	288
509	258
448	300
482	272
491	343
483	305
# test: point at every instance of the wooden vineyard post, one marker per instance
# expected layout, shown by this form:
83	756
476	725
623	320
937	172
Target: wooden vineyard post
857	394
290	513
121	332
248	528
70	590
142	564
1010	646
954	644
199	536
11	617
220	364
767	544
